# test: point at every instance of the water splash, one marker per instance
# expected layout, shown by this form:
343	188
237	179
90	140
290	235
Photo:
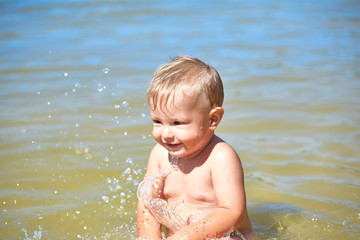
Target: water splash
101	87
126	172
105	198
37	234
159	207
124	104
105	71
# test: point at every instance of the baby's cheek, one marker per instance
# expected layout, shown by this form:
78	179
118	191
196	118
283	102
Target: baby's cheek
156	136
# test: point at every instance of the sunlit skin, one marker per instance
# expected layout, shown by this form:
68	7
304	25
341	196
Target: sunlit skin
209	184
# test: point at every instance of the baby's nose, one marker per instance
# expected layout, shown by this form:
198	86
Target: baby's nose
167	133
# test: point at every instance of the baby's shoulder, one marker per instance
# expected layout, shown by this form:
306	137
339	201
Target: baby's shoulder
222	147
156	157
222	150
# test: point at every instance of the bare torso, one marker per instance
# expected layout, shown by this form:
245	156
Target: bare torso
190	192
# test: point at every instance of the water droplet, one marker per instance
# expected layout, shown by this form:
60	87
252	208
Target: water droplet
77	85
126	171
106	159
143	115
125	104
105	198
117	106
125	133
129	160
65	74
108	180
105	71
101	87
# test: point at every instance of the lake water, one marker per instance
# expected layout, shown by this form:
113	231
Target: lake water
75	128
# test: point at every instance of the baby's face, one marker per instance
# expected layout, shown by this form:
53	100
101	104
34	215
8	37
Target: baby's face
182	126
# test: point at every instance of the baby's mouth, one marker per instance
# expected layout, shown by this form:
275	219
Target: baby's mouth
172	145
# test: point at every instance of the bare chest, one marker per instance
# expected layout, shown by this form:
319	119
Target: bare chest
195	188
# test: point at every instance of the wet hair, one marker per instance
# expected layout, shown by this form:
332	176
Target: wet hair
184	73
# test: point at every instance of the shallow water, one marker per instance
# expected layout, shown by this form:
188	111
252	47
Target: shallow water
75	129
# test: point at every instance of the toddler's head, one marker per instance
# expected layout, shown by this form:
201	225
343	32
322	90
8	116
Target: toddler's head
185	74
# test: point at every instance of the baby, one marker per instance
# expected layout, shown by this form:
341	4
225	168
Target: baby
205	186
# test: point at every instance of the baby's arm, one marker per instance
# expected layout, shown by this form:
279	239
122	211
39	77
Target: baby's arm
228	182
147	225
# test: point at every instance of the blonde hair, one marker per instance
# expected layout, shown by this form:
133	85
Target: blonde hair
182	73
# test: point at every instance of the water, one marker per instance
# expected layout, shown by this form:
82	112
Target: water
159	207
75	129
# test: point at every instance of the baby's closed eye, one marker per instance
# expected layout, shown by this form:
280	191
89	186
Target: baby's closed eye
156	121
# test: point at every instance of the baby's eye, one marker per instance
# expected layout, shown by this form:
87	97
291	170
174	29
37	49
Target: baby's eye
177	123
156	122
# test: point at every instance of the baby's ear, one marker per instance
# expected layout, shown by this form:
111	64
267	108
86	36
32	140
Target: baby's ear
215	117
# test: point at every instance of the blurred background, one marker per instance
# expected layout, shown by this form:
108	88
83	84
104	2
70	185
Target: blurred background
75	132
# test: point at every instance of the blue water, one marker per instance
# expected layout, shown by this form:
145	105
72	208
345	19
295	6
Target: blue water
75	133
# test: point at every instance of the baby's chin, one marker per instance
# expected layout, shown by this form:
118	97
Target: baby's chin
179	151
177	155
